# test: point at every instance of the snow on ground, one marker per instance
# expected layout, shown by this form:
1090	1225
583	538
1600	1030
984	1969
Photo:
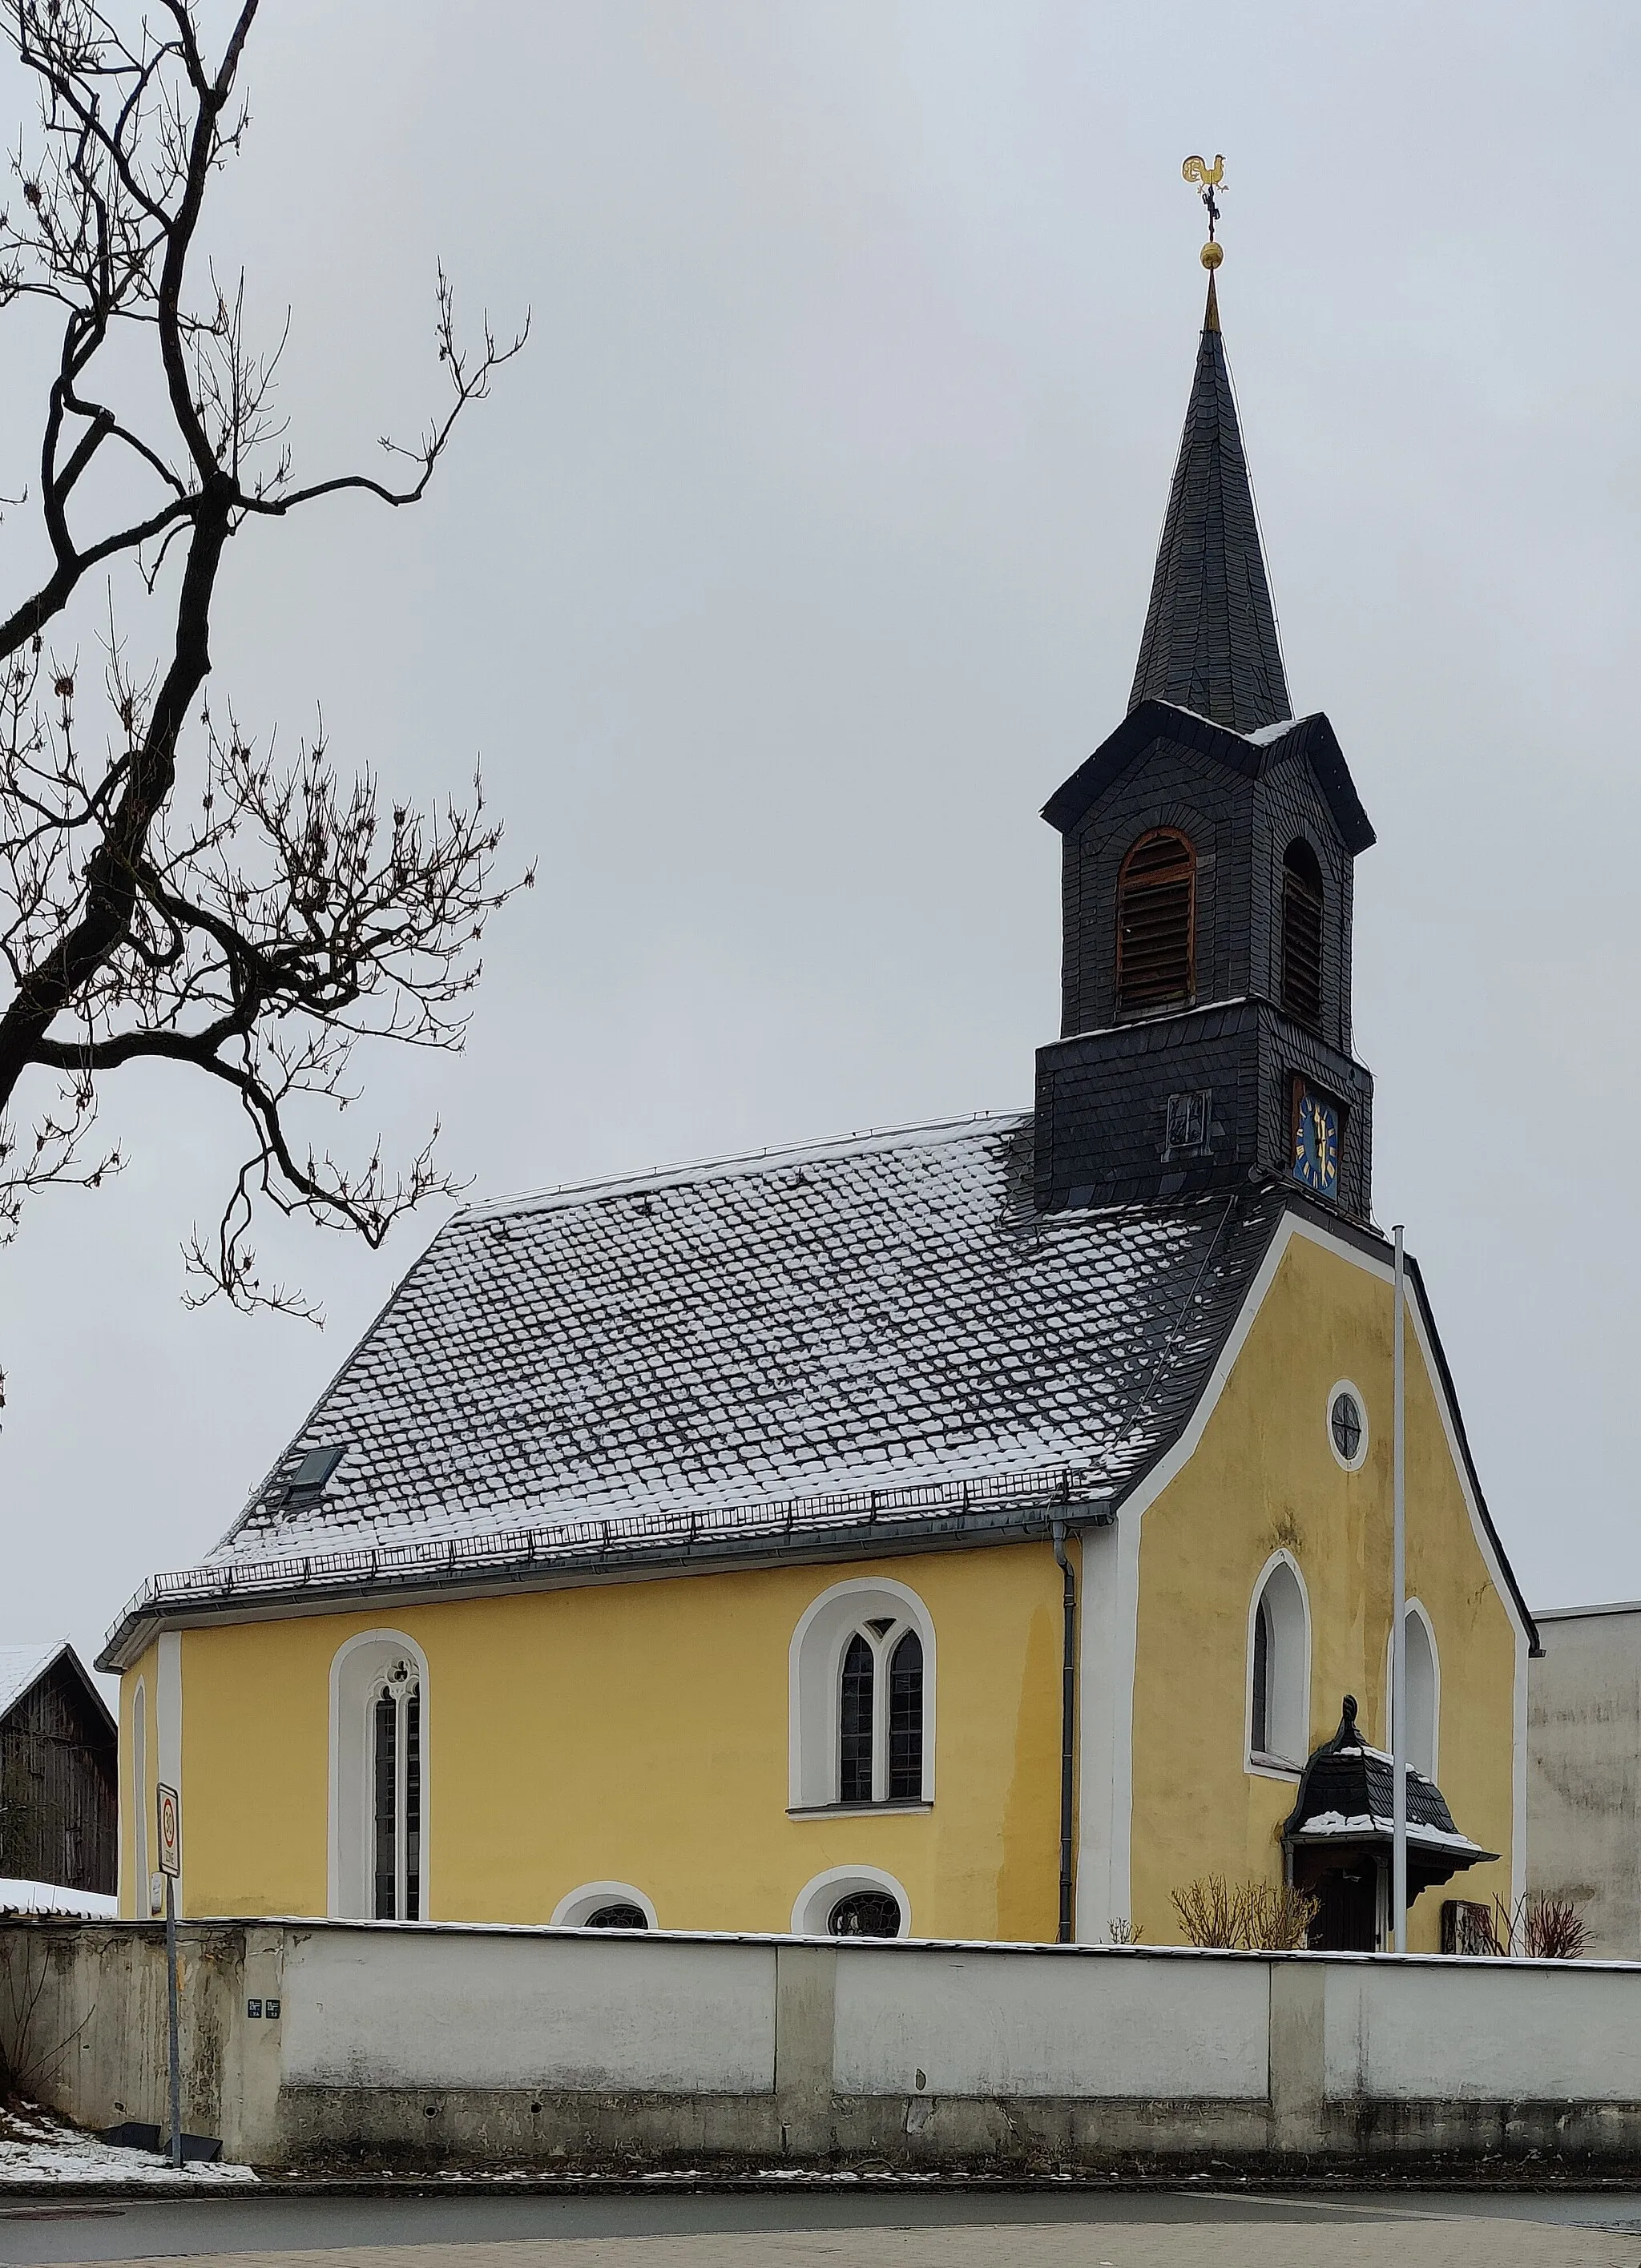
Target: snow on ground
18	1897
36	2145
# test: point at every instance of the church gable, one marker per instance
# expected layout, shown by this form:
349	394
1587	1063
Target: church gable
1263	1480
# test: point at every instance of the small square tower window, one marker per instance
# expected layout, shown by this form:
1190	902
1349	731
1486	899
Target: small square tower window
1188	1122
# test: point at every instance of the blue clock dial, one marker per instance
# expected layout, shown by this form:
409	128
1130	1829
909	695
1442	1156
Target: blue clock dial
1315	1142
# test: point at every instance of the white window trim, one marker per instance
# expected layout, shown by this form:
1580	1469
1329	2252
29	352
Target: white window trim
143	1902
1257	1762
1417	1607
572	1911
822	1715
821	1892
337	1896
1347	1386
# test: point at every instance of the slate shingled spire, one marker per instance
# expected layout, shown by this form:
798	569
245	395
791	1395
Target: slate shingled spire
1211	630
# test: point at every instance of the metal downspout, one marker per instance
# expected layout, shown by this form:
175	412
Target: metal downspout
1067	1739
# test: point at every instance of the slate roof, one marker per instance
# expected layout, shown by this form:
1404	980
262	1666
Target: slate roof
1210	642
881	1313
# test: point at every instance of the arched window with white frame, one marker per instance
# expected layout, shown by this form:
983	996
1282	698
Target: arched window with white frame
862	1699
142	1892
1279	1668
1423	1674
378	1691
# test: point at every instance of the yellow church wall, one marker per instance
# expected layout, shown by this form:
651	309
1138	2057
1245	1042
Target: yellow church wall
144	1676
1264	1479
638	1733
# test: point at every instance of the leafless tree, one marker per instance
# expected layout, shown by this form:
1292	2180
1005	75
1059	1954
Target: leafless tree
166	890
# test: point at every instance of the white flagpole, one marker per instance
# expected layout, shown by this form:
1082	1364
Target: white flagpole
1399	1629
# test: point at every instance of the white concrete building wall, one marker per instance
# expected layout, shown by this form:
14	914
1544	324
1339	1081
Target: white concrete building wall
1583	1772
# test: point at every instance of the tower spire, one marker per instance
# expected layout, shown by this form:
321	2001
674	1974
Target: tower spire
1210	642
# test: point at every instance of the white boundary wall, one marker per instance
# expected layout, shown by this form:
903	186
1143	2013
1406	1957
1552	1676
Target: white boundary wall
565	2048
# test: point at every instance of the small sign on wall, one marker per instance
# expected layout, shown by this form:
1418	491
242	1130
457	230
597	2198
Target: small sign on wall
169	1831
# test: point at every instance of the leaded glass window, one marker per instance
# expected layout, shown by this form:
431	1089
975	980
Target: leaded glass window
396	1795
855	1718
906	1720
865	1913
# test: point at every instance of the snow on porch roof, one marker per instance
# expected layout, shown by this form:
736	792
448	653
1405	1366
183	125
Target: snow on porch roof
887	1312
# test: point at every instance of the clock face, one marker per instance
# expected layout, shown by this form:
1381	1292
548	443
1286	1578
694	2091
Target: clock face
1315	1141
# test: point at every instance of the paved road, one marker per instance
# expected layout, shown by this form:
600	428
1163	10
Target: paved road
1150	2229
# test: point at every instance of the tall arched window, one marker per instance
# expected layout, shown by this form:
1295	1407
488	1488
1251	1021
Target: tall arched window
863	1673
1302	935
906	1719
880	1716
396	1794
1157	924
855	1727
1423	1692
142	1893
1279	1668
378	1780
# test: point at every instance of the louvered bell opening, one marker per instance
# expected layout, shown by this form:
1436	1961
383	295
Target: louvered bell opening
1155	917
1302	937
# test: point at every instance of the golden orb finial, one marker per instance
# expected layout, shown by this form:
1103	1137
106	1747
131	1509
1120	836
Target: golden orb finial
1208	178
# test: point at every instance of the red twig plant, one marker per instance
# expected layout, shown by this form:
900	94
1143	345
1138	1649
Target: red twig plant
166	892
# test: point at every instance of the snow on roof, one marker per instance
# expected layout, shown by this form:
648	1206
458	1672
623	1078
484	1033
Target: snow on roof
881	1312
19	1897
21	1666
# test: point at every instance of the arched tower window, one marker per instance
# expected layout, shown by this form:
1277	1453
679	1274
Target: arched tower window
1157	924
1302	935
1279	1669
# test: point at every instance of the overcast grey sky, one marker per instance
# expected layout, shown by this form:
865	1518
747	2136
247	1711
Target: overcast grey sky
807	550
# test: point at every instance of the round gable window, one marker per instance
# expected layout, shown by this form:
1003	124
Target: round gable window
1347	1426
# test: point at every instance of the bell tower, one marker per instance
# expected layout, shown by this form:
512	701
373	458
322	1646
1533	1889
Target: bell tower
1206	881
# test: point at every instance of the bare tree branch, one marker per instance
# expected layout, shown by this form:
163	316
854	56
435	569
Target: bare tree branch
258	933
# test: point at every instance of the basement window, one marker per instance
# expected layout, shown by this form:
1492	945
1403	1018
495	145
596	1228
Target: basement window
865	1913
1157	924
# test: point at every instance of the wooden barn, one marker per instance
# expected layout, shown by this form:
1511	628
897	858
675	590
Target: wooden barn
59	1783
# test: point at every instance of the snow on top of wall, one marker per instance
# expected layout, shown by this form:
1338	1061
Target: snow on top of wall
884	1312
19	1897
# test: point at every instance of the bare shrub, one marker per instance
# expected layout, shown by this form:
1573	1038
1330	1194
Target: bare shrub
1121	1931
1538	1929
1276	1918
1209	1911
1247	1916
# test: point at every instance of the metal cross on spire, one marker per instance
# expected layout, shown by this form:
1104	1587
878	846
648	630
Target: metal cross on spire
1208	178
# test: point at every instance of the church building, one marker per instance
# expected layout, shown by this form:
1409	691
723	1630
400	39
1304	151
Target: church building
980	1530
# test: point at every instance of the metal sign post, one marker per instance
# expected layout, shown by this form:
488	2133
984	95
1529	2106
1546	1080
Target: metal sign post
170	1866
